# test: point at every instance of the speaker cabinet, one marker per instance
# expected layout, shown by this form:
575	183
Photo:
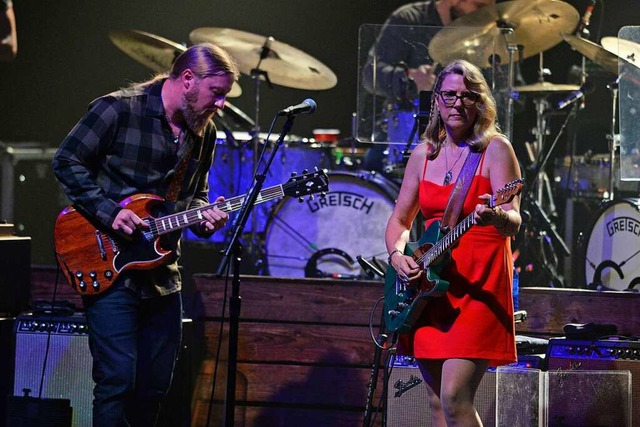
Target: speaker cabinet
67	374
407	403
67	371
603	394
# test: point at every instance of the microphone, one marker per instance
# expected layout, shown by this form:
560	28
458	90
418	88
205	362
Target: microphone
307	106
586	19
576	95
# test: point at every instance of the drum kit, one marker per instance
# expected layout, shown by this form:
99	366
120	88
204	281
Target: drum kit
329	232
292	236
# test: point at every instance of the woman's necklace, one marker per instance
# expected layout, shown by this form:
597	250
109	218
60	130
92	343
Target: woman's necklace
449	175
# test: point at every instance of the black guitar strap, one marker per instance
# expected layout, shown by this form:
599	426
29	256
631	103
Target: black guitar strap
460	190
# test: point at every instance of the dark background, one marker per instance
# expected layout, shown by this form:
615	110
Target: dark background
66	59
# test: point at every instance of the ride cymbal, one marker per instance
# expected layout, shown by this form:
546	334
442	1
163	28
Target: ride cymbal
484	36
283	64
154	52
594	52
622	48
546	87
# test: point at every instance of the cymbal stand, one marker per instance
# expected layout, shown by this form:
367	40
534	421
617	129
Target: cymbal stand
613	142
258	75
511	48
542	184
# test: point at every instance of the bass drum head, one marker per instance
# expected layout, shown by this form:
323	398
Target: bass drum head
326	234
612	259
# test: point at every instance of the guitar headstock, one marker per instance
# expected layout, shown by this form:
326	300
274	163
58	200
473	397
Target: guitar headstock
306	184
507	193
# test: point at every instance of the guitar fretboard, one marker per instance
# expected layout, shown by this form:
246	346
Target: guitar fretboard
177	221
447	241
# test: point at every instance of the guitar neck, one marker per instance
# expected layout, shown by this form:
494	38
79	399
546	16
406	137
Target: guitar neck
180	220
442	245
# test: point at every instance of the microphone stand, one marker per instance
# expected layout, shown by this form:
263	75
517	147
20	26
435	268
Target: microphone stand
235	248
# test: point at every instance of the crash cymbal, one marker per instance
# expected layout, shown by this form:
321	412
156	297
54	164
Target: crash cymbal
154	52
594	52
622	48
284	64
478	36
546	87
234	119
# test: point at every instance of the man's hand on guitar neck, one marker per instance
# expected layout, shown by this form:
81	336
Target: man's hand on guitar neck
407	269
215	218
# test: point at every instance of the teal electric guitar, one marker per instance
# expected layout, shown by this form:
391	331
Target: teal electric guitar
404	301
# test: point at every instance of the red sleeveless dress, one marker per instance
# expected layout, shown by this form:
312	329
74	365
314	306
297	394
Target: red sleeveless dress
474	319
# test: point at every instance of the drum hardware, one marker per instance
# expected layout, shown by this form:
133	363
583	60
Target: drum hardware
311	268
371	268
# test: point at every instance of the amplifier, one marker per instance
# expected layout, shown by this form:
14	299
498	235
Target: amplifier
67	372
609	392
518	384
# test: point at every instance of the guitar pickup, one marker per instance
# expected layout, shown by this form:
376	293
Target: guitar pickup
103	253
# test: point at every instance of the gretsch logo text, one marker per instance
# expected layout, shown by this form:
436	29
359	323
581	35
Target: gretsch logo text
623	223
340	198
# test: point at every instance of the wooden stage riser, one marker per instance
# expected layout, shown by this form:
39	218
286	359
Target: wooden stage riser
305	350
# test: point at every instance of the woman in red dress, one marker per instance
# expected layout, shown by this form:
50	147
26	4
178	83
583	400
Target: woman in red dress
471	326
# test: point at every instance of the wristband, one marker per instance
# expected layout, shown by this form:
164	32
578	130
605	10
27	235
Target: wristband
391	254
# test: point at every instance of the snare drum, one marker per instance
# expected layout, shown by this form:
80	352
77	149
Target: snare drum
331	231
613	253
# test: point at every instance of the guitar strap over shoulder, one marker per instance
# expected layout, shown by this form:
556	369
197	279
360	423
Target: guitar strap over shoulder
460	190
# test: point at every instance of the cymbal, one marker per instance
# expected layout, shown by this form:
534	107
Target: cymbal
478	36
594	52
154	52
546	87
234	119
284	64
622	48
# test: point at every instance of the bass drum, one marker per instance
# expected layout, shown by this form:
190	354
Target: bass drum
612	259
323	236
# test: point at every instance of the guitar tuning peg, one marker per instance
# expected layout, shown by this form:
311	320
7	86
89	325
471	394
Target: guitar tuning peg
323	194
300	199
305	171
312	197
294	174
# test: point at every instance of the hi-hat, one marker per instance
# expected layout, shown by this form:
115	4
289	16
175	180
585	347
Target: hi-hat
283	64
623	48
154	52
594	52
484	35
546	87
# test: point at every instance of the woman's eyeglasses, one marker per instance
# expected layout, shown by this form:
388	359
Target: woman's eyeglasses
449	98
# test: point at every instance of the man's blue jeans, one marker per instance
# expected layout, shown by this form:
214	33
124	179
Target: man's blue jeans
134	343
